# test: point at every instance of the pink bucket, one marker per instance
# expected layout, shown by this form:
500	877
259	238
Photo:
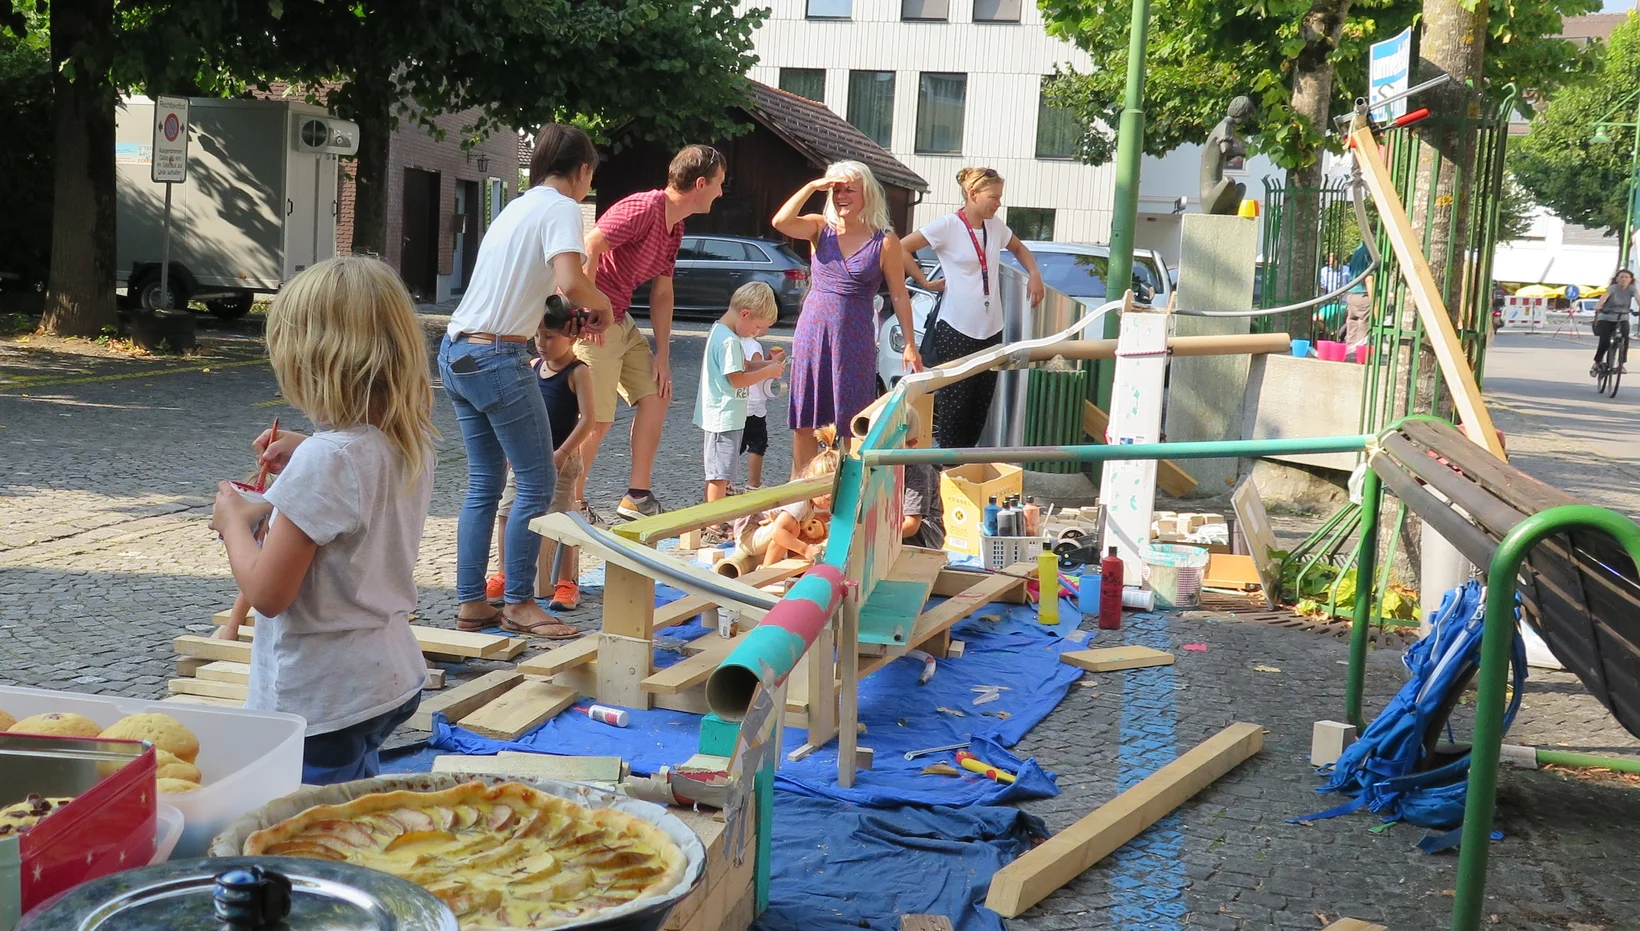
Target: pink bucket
1363	353
1329	351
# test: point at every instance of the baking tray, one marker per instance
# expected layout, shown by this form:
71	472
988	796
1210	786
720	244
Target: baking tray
643	915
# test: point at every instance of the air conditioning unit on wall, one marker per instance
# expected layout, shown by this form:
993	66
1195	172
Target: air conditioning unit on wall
326	134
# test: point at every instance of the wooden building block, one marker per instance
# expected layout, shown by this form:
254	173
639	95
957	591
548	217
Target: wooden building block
189	665
1225	570
925	923
652	530
1031	878
558	659
693	670
1112	659
604	769
209	689
520	710
209	649
461	642
1328	740
205	700
956	581
434	680
464	698
1354	924
223	671
623	664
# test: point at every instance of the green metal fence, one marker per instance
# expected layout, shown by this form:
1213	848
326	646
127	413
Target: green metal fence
1302	226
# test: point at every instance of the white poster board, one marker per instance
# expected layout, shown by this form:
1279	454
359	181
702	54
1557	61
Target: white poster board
170	151
1127	488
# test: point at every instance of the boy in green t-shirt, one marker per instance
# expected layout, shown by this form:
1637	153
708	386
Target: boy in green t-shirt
720	405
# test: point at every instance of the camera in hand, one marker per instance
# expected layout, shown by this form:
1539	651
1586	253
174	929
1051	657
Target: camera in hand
561	313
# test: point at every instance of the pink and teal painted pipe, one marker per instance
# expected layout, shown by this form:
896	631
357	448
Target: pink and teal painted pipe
771	650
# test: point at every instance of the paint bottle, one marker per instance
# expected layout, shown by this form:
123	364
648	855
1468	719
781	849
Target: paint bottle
1047	580
1087	596
1110	591
614	717
1007	522
1033	518
989	525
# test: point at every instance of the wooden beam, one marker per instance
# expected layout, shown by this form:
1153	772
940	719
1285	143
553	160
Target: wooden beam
623	664
452	645
464	698
190	665
1174	480
988	588
1426	296
211	649
223	671
520	710
956	581
925	923
1112	659
652	530
207	688
205	700
558	659
692	670
1031	878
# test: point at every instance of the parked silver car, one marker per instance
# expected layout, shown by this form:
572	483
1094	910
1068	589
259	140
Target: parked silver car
710	268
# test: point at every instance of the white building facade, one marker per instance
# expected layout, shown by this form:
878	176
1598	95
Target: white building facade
944	84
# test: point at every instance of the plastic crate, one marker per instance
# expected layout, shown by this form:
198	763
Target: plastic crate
1002	552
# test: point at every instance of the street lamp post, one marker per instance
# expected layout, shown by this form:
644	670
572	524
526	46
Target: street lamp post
1600	136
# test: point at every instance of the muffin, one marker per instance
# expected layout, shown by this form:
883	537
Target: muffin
163	731
6	721
56	724
175	786
186	772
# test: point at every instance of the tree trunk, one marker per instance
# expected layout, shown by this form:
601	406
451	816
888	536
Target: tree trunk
373	96
1312	100
80	295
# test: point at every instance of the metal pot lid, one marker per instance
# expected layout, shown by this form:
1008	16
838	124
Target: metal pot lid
244	894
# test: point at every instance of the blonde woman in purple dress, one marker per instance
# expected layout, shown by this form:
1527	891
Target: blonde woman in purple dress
834	351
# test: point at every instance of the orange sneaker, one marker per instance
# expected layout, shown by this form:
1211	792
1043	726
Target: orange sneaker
566	596
495	587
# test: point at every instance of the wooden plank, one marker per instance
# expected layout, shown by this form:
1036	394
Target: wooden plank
207	688
221	618
1353	924
956	581
1426	295
454	645
987	589
692	670
623	664
629	603
1112	659
1174	480
223	671
925	923
652	530
849	674
605	769
464	698
1254	523
669	615
1031	878
1226	570
813	685
205	700
520	710
188	665
889	615
556	660
206	648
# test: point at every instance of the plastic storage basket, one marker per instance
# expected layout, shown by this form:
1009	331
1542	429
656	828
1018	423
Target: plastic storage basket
1002	552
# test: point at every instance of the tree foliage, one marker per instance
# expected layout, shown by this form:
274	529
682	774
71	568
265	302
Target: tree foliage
25	158
1557	163
1204	52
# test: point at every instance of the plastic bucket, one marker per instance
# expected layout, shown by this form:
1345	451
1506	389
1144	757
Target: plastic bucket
1330	350
1301	348
1175	574
1363	353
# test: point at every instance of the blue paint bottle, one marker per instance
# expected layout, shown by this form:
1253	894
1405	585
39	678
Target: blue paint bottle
1087	596
990	518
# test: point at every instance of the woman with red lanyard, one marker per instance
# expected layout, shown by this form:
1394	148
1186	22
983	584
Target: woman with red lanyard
969	244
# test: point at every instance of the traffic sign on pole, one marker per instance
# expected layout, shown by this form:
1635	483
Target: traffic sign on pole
1389	71
170	140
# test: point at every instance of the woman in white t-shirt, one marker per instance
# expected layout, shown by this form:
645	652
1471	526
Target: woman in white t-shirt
533	249
969	244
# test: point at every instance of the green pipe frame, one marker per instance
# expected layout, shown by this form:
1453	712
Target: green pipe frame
1211	449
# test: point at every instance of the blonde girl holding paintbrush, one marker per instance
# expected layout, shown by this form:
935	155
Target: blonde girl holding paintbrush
333	581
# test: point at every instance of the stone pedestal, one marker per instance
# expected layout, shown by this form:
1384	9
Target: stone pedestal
1205	394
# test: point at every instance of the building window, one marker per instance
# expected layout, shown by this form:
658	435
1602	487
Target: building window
830	9
871	104
995	11
1058	131
940	105
926	10
804	82
1034	223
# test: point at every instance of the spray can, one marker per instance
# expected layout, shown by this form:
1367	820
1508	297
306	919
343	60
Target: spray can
1047	580
1110	591
989	525
614	717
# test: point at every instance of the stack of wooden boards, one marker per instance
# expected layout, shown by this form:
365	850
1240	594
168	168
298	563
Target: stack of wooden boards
217	672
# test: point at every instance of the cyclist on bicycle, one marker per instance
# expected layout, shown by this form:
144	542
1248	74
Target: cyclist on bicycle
1611	319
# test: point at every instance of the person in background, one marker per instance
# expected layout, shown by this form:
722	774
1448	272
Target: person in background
1333	277
333	583
636	241
754	444
1611	320
566	386
922	521
969	244
853	253
1358	300
798	529
726	378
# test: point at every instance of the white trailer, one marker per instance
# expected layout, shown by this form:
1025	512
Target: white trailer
258	206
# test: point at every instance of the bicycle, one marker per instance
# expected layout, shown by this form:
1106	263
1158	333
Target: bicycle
1607	372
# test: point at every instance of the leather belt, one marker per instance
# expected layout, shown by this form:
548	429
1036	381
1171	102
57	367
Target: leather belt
490	339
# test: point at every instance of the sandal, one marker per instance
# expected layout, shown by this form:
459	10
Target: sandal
547	630
475	624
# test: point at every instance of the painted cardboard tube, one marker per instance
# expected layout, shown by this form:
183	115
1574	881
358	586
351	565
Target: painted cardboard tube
771	650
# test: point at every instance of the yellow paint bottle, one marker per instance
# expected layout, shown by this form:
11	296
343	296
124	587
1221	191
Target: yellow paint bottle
1047	579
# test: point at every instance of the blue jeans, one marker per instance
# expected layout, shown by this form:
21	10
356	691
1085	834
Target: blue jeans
503	419
354	752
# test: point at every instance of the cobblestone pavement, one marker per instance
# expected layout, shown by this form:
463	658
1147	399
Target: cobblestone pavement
110	464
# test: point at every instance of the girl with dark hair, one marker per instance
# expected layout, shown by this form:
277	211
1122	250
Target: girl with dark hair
532	250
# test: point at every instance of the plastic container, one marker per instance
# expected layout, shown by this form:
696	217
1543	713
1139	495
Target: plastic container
1002	552
248	758
1110	591
1139	599
1362	353
167	832
1087	595
1047	578
1329	350
1175	573
1301	348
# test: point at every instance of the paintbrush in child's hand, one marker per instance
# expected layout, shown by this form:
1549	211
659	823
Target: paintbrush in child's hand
262	471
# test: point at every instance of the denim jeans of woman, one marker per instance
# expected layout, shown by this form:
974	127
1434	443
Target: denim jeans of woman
503	419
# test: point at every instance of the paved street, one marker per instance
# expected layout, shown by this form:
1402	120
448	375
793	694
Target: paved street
110	464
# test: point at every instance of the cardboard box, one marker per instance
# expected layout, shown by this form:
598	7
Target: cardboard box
965	490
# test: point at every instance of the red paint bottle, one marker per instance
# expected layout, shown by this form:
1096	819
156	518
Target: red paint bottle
1110	591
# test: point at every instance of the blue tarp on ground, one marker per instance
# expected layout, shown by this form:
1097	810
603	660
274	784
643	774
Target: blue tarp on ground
828	864
1014	652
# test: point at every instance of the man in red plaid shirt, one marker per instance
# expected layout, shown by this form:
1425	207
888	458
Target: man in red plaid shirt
636	240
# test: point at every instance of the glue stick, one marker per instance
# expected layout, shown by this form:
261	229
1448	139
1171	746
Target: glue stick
1047	578
614	717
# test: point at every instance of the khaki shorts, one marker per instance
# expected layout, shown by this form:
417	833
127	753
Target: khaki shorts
622	365
563	493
